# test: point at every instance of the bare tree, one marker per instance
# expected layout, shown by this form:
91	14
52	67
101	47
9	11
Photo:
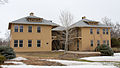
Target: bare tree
3	1
66	19
7	38
115	30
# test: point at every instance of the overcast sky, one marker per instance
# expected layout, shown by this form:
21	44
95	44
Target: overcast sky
50	10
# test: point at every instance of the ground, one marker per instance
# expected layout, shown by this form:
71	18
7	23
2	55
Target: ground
58	59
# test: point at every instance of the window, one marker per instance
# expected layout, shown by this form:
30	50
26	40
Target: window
106	31
29	28
15	43
104	42
20	43
107	42
29	43
38	29
103	31
21	28
92	43
38	43
91	31
98	31
98	42
16	28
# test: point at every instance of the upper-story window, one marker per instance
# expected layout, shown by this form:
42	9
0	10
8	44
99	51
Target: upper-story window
98	31
20	43
91	31
98	42
103	31
38	29
106	31
38	43
104	41
29	43
29	28
92	43
15	43
21	28
16	28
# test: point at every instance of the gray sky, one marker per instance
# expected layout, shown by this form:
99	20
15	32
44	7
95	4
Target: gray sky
50	9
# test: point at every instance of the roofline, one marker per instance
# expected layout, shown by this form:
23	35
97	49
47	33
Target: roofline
9	26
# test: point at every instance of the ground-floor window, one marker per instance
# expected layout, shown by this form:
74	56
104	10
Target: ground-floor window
20	43
104	41
15	43
29	43
98	42
107	42
92	43
38	43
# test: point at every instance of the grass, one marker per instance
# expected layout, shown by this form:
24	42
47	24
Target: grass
40	54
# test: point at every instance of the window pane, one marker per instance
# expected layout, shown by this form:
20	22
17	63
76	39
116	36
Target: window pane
91	42
107	42
15	43
104	42
16	28
29	28
106	31
91	31
98	42
21	28
98	31
20	43
29	43
38	29
103	31
38	43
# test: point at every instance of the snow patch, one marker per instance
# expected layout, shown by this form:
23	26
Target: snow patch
14	62
19	58
116	57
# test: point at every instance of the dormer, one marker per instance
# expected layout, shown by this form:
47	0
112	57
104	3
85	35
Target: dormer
33	18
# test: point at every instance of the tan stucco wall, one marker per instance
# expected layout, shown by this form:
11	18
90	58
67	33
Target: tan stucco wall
87	37
44	36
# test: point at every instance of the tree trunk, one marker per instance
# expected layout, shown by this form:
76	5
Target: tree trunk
66	41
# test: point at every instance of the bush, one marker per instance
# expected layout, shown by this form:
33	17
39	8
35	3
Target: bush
105	50
2	59
115	42
7	52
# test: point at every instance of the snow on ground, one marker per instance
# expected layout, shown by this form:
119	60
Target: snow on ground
14	62
19	58
116	57
33	66
72	63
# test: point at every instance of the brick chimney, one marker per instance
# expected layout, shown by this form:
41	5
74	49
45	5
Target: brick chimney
84	17
31	14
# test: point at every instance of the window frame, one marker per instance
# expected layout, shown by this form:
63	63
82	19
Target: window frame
103	31
15	28
30	28
91	31
104	41
91	43
98	42
38	29
20	43
98	31
15	43
107	31
107	42
30	43
21	28
39	43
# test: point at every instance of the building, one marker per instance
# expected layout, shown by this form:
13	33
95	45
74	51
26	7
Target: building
85	35
31	34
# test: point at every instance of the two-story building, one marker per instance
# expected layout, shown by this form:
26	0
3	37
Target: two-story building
31	34
85	35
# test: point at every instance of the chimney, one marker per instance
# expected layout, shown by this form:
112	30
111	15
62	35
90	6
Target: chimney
84	17
31	14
